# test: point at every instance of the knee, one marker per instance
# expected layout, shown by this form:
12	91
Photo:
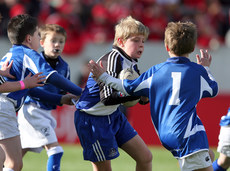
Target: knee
16	165
224	162
147	158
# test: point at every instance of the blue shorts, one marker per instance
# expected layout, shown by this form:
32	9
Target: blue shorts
100	136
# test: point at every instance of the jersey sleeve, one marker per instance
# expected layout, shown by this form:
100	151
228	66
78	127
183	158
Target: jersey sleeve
109	95
209	87
45	96
136	87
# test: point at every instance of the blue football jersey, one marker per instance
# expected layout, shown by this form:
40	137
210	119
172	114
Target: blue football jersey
91	98
25	60
63	69
174	88
225	120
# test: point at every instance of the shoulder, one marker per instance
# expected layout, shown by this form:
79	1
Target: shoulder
198	67
62	61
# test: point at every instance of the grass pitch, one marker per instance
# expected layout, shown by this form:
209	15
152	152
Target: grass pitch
72	160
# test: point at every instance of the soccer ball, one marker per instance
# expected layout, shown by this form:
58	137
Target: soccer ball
129	74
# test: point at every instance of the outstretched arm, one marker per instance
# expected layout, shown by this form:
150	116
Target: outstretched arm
29	82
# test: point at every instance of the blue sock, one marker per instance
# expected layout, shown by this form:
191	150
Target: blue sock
216	167
54	158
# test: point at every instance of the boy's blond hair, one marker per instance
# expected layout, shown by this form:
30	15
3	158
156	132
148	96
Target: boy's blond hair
43	30
128	27
181	37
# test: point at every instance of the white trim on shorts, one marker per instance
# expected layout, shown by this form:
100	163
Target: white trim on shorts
195	161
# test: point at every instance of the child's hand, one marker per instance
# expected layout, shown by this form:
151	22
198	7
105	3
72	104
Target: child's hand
34	81
205	58
96	69
67	99
5	70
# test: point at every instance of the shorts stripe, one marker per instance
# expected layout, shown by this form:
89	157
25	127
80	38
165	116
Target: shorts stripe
98	151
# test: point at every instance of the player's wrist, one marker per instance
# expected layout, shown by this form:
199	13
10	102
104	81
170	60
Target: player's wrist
22	84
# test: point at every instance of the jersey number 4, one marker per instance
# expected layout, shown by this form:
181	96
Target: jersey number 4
176	82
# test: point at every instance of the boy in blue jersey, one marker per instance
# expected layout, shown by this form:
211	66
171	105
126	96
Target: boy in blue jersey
223	161
6	86
174	88
24	36
100	125
36	123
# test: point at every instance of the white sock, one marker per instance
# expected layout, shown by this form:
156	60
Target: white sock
7	169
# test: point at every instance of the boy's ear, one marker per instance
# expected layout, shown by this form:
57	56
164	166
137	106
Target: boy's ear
28	38
167	48
41	43
120	42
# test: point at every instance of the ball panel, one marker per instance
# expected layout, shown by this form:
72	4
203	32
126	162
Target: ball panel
129	74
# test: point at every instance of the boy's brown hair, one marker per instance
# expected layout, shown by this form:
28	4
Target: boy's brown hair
20	26
128	27
181	37
45	29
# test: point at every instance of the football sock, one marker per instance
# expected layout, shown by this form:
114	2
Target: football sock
7	169
54	158
216	167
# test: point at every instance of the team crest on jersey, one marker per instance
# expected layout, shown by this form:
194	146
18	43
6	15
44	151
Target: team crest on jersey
46	131
112	152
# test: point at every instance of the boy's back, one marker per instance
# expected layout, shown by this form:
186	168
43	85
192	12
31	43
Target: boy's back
182	83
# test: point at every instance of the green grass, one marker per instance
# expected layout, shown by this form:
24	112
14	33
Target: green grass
72	160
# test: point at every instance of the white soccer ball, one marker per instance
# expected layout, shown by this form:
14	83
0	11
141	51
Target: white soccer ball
129	74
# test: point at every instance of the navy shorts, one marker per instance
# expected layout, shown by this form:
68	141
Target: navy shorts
100	136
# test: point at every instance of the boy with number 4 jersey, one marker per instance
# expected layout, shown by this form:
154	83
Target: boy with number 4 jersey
174	88
36	123
24	36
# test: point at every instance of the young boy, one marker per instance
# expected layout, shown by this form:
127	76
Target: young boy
24	36
174	88
28	82
223	161
101	127
36	123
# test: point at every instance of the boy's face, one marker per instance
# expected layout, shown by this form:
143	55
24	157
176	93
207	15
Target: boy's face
53	44
134	46
35	39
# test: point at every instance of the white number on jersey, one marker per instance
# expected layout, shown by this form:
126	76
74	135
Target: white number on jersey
175	100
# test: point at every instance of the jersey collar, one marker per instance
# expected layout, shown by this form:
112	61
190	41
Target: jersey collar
179	59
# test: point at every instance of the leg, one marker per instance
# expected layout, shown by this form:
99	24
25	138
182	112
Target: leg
102	166
139	151
224	161
12	149
54	152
